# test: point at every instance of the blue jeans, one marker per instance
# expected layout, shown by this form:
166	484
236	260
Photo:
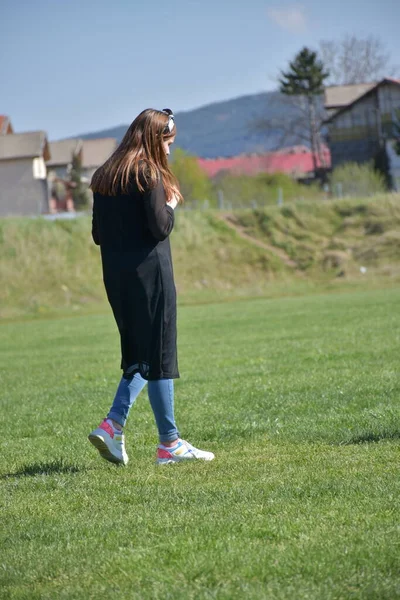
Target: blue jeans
161	396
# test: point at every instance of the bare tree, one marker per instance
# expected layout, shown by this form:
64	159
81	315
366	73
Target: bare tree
356	60
293	126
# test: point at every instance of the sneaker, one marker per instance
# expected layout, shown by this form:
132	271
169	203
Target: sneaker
182	451
110	443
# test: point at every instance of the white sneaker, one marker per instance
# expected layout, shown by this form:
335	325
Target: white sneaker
182	451
110	443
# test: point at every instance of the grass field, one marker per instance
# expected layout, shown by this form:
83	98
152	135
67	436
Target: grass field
297	397
299	248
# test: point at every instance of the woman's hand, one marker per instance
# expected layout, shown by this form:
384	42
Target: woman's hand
173	203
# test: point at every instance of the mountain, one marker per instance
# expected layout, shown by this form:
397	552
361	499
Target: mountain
225	128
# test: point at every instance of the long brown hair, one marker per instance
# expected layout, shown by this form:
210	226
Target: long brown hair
141	154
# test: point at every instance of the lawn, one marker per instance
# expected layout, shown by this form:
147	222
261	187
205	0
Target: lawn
297	397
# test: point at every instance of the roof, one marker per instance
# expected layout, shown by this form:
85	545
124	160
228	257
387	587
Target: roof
337	96
96	152
24	145
62	152
292	161
5	125
369	91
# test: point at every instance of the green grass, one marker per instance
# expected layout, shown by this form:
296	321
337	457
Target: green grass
297	397
333	237
47	267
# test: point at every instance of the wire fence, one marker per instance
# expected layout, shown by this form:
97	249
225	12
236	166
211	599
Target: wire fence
277	198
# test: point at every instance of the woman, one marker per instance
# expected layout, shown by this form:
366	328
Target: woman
135	195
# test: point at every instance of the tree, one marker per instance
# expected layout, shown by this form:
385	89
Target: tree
292	125
304	80
194	183
79	190
356	60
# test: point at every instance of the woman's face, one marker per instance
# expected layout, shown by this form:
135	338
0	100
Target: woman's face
167	143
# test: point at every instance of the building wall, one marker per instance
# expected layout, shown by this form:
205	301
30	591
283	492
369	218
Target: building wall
394	162
88	173
360	151
356	134
59	171
20	193
389	103
357	123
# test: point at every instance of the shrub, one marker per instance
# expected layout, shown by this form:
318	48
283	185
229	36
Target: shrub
352	179
262	189
194	183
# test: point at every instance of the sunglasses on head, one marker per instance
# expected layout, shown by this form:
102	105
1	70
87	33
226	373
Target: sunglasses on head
171	120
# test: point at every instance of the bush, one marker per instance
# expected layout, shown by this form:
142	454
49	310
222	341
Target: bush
352	179
263	189
193	182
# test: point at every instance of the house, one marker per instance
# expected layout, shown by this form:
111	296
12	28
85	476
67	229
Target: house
61	156
5	125
23	176
296	161
360	129
92	153
339	96
95	153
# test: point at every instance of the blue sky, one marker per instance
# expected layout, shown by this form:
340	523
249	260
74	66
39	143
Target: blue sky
71	67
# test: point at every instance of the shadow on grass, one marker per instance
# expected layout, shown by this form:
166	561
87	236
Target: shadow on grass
371	437
44	468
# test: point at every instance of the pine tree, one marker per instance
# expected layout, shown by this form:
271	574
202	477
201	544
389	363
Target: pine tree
79	190
305	78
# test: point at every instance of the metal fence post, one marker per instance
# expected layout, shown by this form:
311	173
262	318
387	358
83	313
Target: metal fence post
220	199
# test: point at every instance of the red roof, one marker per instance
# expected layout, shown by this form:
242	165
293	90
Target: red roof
5	125
296	161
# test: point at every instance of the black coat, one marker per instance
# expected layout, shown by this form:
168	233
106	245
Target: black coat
132	231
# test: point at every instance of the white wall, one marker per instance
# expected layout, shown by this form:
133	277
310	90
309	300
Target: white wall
20	193
394	162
